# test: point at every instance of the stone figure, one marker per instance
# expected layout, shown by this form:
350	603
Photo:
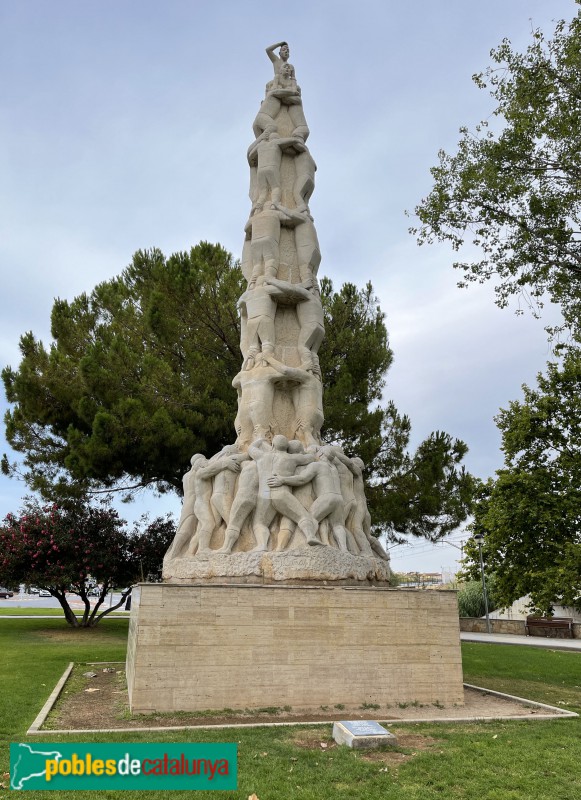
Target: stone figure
304	183
244	502
287	526
347	471
258	307
267	114
328	497
264	228
268	494
308	252
360	521
267	152
282	59
187	522
279	499
307	400
281	89
255	388
284	85
246	261
225	481
203	472
197	506
310	317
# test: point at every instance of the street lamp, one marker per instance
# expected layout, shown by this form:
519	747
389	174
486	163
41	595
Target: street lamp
479	538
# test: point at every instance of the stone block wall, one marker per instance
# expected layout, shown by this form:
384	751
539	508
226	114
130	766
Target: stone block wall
478	625
197	647
514	626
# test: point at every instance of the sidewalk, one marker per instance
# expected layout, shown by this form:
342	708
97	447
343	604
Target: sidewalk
530	641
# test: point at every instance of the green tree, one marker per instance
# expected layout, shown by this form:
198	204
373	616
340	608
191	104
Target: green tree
147	545
530	514
513	188
138	378
62	548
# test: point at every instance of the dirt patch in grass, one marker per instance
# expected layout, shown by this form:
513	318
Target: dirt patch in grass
90	703
408	746
313	740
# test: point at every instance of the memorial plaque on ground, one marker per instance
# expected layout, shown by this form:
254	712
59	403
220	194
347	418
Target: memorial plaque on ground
364	727
362	734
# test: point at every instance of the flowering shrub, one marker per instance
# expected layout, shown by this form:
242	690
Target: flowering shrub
62	548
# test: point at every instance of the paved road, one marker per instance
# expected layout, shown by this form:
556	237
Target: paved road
531	641
112	615
34	601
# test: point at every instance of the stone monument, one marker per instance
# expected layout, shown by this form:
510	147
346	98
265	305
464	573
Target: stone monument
274	591
279	504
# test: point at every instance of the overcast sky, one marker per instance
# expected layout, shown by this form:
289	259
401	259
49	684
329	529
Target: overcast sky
125	125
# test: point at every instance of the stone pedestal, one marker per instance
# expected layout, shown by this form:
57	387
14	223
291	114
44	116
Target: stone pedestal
195	647
303	565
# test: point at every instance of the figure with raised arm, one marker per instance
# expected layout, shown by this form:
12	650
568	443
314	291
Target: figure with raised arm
281	59
281	88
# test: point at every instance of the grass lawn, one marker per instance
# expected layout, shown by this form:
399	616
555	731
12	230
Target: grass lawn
485	761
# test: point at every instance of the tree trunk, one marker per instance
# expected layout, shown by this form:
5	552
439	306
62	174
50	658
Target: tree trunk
68	611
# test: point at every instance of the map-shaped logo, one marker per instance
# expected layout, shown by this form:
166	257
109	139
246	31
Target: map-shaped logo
28	762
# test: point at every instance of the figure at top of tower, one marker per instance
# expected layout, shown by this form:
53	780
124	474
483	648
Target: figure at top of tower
282	90
280	60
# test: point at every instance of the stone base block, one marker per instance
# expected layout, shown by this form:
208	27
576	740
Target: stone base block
306	564
195	647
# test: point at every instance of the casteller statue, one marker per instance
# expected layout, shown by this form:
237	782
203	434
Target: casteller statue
279	504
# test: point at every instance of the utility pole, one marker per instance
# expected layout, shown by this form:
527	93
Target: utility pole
479	538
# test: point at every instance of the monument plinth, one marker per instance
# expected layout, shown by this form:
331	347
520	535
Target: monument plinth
275	592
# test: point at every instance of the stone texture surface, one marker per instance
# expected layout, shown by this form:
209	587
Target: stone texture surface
327	563
278	487
197	647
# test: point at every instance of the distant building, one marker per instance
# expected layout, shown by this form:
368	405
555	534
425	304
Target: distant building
419	580
519	610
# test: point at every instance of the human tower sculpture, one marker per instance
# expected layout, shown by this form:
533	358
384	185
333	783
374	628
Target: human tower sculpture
278	504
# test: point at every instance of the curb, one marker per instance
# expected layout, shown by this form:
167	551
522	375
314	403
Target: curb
53	697
35	730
